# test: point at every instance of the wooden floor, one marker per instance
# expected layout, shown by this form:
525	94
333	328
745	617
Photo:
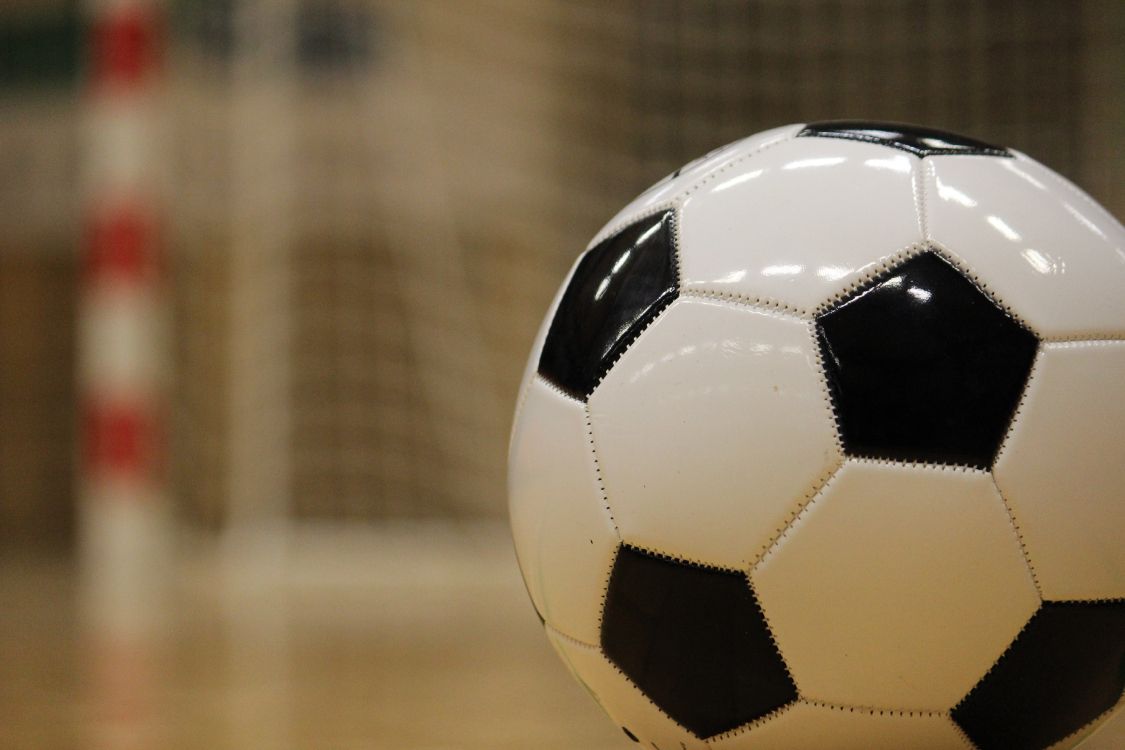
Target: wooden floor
408	639
411	638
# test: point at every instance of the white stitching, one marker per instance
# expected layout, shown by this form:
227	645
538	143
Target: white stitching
690	562
715	173
992	667
1019	537
826	389
743	574
605	586
1081	343
760	304
908	464
598	468
675	201
969	744
751	725
919	181
1028	386
771	546
607	368
610	231
967	270
875	710
569	638
811	493
876	269
554	388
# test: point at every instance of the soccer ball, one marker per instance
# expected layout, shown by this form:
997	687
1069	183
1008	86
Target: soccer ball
822	445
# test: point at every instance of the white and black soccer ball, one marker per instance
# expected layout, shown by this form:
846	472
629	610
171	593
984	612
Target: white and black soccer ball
822	445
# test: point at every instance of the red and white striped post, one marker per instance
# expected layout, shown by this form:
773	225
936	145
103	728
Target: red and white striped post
123	364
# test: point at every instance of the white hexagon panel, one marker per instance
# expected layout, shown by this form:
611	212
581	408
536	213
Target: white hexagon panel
565	539
712	430
1040	244
871	591
672	187
805	725
759	233
1062	470
625	704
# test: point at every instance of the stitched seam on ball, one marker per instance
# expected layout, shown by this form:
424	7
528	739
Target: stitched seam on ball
628	680
758	599
608	574
992	667
555	389
773	636
644	695
924	465
733	163
1028	385
676	245
598	469
967	271
569	638
1019	538
890	262
965	738
605	589
537	346
675	204
875	710
826	388
751	725
657	314
919	179
1011	644
811	496
744	575
682	560
819	484
741	574
663	206
1092	339
760	304
880	267
1090	600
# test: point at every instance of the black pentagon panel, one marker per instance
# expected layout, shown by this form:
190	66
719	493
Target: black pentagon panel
618	287
695	641
923	366
1064	670
921	142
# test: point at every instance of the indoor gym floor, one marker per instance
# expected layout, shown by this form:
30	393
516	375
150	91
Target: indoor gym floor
411	637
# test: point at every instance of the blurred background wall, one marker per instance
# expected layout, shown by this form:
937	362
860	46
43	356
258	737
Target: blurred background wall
366	207
339	224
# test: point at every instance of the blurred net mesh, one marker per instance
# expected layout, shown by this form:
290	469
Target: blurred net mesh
445	164
371	203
